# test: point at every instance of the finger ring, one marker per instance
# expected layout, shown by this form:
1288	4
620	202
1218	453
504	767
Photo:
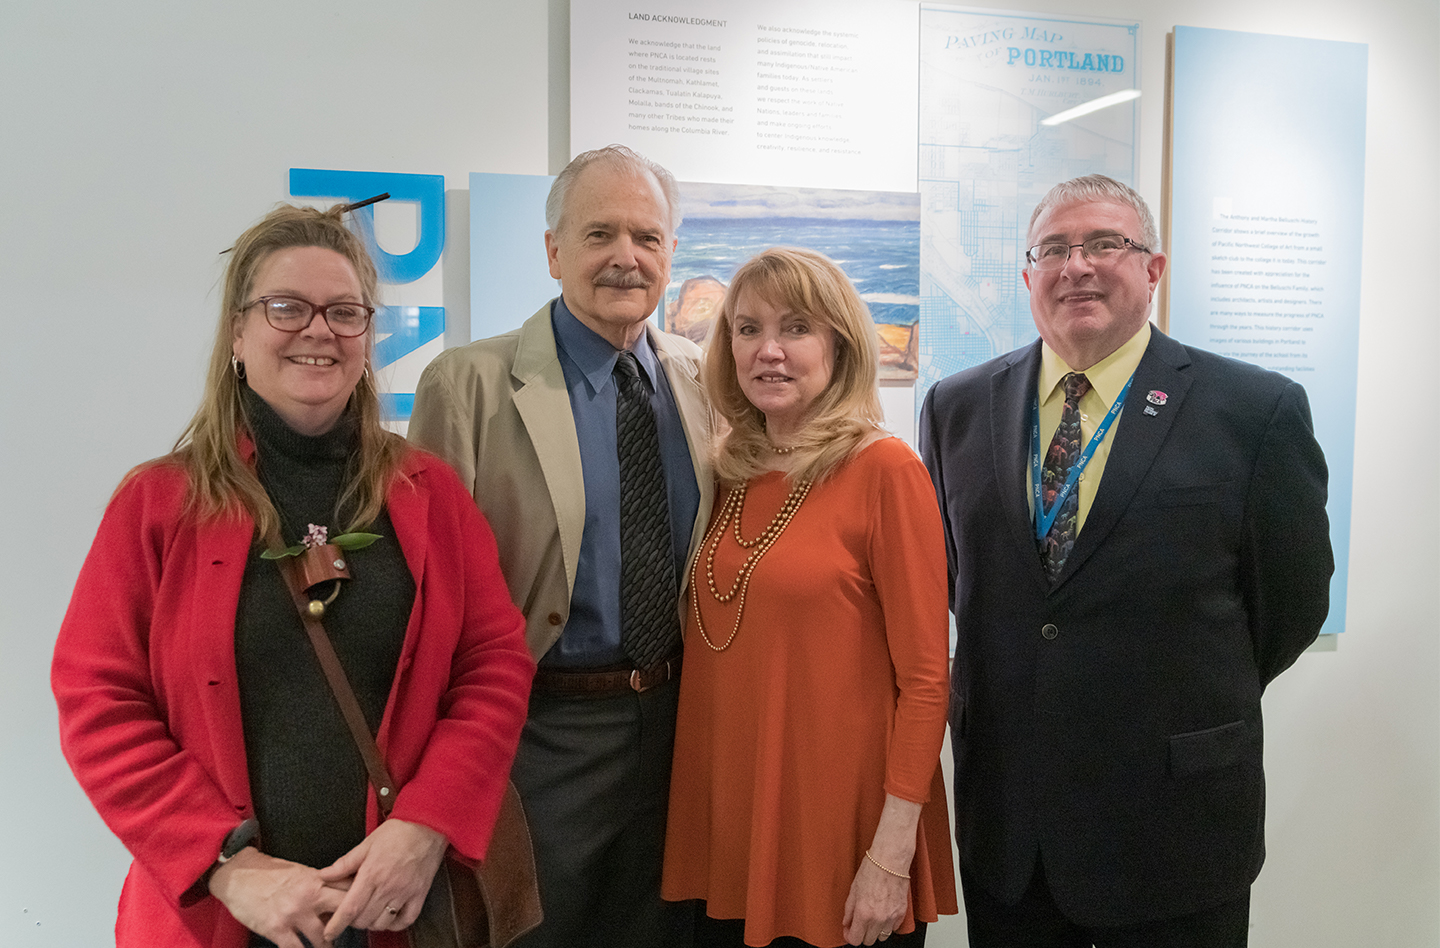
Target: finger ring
884	934
392	910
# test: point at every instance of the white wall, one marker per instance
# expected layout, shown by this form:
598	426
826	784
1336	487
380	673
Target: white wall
137	140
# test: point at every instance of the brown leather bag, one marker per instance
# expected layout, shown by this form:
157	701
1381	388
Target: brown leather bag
492	904
488	906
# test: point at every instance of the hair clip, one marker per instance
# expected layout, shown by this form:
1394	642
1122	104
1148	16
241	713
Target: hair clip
344	209
365	203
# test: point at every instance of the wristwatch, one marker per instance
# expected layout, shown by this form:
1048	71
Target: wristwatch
237	839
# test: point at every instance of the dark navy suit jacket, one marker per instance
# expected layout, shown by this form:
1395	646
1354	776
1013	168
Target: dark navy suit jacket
1111	724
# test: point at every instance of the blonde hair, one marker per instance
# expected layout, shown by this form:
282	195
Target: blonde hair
843	415
221	482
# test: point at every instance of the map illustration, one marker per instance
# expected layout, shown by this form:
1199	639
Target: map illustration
987	80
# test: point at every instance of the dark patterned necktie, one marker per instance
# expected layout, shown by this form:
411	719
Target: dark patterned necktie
649	623
1064	452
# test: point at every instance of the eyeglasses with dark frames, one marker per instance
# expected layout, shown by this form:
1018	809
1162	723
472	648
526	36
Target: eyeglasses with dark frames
1053	255
288	314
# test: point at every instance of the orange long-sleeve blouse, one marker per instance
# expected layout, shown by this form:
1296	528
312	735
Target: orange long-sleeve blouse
831	695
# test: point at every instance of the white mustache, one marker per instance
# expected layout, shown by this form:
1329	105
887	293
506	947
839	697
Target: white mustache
621	279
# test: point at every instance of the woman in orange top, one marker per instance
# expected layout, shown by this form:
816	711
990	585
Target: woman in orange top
806	805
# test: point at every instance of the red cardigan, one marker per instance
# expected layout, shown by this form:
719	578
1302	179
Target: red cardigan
144	675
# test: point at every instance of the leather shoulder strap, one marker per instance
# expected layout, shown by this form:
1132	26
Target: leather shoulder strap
340	687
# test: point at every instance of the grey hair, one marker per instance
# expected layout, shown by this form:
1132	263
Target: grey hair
1098	187
616	156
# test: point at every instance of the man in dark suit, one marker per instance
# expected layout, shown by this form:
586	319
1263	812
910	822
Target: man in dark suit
1121	598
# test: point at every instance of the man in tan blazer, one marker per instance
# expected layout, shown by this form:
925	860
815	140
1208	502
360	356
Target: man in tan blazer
529	420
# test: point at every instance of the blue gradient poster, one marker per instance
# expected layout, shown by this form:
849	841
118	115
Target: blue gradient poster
509	272
1267	197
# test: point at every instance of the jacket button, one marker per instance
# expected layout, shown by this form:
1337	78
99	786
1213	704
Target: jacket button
1049	631
554	618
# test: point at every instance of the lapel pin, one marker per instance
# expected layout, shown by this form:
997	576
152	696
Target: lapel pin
1150	410
1156	398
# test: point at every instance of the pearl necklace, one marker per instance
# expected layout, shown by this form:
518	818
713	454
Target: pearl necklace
733	508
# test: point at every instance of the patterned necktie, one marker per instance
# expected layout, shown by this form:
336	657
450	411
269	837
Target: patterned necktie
649	623
1064	451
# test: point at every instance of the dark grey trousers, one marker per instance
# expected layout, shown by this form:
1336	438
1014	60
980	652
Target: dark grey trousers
594	774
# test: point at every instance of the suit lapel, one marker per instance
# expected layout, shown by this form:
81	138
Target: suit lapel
683	375
1012	393
544	408
1138	439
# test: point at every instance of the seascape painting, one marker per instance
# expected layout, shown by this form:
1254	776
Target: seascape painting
874	236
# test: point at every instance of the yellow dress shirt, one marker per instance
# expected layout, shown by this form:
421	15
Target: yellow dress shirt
1107	377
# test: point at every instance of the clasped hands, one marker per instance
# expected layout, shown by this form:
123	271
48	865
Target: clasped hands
380	884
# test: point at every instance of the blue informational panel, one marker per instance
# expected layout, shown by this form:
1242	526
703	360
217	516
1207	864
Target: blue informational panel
1267	198
509	272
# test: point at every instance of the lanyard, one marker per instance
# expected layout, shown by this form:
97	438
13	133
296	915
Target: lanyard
1043	520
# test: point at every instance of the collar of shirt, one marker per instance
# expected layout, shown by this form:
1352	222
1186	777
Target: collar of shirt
593	354
1107	377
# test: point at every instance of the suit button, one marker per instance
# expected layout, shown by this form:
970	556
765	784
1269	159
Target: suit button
1049	631
554	618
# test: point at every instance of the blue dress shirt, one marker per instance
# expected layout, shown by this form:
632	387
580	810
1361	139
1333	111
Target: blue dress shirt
592	633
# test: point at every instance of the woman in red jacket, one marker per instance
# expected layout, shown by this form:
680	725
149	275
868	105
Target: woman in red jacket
192	707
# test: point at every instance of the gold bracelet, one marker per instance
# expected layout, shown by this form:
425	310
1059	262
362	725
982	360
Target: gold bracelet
898	875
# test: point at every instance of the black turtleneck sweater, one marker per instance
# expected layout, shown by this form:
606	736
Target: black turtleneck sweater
307	779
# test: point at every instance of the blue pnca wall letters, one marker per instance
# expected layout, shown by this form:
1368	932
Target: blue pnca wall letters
400	330
426	190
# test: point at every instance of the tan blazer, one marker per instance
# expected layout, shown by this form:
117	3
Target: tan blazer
497	410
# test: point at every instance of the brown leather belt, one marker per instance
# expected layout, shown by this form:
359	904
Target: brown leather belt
599	682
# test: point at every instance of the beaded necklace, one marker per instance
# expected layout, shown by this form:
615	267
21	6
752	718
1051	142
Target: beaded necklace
733	508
